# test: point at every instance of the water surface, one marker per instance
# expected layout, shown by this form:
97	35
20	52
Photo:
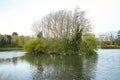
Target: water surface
16	65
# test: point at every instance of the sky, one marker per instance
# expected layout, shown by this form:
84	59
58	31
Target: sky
19	15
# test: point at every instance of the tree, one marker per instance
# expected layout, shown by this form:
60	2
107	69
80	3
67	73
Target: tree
62	23
68	26
89	44
20	41
14	40
1	40
14	33
7	39
39	35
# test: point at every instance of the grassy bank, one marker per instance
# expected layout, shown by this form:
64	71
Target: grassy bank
10	49
109	47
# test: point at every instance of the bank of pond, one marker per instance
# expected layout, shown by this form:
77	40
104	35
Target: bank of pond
12	49
109	47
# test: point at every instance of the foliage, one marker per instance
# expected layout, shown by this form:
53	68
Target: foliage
58	46
20	41
14	40
54	45
40	45
8	41
15	33
5	40
109	45
89	45
31	45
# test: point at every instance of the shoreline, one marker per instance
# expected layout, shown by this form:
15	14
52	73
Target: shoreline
11	49
109	47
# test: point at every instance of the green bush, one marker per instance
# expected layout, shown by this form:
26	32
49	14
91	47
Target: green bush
54	46
49	46
33	45
88	46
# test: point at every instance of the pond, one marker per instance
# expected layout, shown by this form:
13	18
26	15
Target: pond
18	65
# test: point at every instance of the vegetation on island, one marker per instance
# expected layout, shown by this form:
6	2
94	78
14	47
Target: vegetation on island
63	32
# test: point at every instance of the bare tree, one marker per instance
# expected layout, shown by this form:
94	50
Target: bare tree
62	24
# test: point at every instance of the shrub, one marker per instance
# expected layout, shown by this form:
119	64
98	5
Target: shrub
49	46
88	46
34	45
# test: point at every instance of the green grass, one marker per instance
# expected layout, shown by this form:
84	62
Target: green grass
10	49
110	47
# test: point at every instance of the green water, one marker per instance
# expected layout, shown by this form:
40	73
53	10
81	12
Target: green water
17	65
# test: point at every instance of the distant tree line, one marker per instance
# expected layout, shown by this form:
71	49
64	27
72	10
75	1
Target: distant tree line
109	40
13	40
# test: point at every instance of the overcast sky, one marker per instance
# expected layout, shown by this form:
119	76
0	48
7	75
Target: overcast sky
18	15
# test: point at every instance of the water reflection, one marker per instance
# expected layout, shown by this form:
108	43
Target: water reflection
46	67
8	60
12	67
63	67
